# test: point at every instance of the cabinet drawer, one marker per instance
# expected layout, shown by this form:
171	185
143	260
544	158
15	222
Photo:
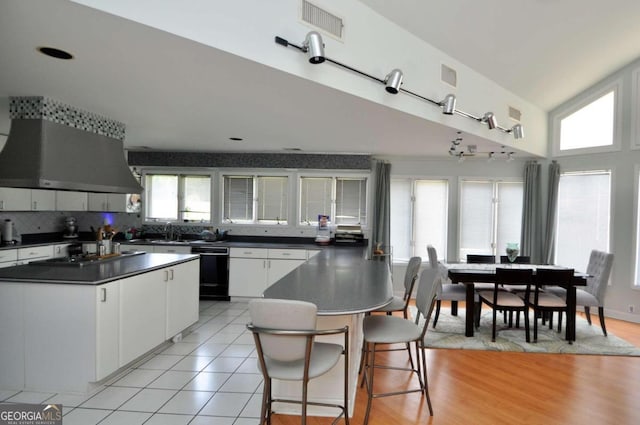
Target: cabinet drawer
288	254
8	255
248	252
35	252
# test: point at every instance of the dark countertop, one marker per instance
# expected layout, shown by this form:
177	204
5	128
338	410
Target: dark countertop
93	274
339	281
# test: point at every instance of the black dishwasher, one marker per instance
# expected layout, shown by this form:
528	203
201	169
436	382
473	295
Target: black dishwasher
214	272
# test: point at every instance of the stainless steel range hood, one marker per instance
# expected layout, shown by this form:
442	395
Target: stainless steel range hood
56	146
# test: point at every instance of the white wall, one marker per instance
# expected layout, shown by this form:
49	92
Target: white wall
371	43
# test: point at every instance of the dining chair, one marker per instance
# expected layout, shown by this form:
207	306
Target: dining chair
520	259
481	286
451	292
384	330
507	301
598	271
410	277
284	333
481	259
544	303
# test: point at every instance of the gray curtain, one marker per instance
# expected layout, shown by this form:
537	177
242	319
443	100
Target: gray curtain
381	206
552	207
531	236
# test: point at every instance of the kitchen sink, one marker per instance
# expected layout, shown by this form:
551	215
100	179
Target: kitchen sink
162	241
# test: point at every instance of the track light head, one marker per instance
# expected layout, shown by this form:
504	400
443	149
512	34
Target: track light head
492	157
393	81
510	157
448	104
461	157
314	46
517	131
491	120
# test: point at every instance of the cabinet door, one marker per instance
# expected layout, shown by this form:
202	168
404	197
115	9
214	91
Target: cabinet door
60	250
183	289
35	253
71	201
143	301
107	298
117	202
247	277
12	199
8	256
279	268
43	200
97	202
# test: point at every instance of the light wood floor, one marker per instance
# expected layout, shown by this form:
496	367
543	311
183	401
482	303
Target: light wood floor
481	387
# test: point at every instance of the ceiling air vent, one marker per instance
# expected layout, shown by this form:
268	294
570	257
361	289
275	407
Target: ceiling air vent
322	19
515	114
448	75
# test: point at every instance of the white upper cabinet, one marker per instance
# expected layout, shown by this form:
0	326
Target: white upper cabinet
71	201
116	202
43	200
12	199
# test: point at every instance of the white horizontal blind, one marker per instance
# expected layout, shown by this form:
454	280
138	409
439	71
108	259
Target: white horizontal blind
351	196
161	197
273	202
196	196
509	212
584	208
430	217
238	198
476	218
401	223
315	198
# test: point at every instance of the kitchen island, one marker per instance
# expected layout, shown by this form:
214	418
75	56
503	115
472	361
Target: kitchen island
344	285
65	328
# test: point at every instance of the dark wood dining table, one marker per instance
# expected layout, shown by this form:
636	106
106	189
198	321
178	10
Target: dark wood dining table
469	274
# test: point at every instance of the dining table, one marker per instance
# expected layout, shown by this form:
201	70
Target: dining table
468	274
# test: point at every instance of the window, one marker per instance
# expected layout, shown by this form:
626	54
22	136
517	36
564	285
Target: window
255	199
589	124
490	216
343	199
418	217
583	217
177	197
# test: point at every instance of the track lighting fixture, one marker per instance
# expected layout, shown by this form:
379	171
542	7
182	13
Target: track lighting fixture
491	157
517	131
461	157
491	120
393	81
448	104
314	46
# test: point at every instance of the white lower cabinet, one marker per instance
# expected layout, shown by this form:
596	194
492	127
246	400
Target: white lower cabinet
172	249
8	257
34	253
107	299
252	270
183	291
143	300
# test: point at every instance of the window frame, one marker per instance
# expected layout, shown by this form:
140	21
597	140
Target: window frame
180	173
494	180
334	175
576	105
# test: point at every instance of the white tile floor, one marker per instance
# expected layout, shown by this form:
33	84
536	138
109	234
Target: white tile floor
210	377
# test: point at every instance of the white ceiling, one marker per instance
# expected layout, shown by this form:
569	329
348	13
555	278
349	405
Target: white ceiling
175	94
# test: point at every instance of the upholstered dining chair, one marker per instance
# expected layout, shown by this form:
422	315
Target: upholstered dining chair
284	332
410	277
599	270
545	302
507	301
384	330
452	292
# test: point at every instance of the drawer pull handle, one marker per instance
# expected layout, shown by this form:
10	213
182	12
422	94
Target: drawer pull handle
103	295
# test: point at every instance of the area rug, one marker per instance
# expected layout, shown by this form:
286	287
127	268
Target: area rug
449	333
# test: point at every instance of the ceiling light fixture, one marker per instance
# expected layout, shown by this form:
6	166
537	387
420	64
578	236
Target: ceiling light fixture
393	81
448	104
491	120
314	46
517	131
55	53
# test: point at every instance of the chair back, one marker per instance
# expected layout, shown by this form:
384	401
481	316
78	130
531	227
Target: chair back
426	295
283	315
557	277
433	256
514	276
410	276
599	270
521	259
481	259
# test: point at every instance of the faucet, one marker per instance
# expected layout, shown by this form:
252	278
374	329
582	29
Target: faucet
168	231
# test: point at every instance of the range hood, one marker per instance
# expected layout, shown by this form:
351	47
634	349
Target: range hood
56	146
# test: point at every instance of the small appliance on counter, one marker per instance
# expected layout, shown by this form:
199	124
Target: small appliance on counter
323	235
8	233
349	234
71	228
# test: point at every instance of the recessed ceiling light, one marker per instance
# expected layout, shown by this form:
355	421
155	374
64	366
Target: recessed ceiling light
55	53
236	139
